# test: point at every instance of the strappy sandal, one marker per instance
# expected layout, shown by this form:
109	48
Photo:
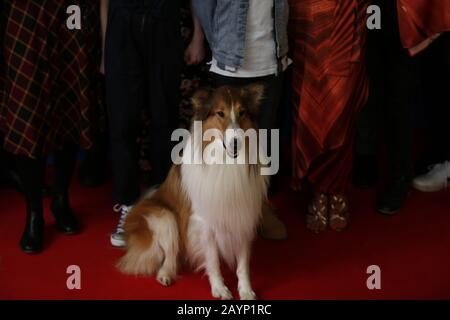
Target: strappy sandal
339	213
317	217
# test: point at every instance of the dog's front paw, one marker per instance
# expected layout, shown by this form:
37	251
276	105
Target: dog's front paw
247	295
164	278
222	292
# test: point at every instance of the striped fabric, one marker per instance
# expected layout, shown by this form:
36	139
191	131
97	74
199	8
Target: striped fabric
330	87
422	19
49	95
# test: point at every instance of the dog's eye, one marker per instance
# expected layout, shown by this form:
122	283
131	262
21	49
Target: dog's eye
242	113
221	114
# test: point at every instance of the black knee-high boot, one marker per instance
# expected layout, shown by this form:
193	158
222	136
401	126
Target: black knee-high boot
31	173
65	160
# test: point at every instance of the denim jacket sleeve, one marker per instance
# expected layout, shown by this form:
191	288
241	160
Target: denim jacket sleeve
205	10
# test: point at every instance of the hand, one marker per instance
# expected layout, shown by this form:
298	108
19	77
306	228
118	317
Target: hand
195	53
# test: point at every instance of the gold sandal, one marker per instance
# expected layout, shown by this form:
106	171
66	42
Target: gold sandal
339	213
317	217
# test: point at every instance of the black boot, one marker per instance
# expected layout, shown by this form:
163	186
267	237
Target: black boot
33	235
65	160
64	217
393	197
31	172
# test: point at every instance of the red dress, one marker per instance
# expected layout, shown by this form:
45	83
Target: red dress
330	87
422	19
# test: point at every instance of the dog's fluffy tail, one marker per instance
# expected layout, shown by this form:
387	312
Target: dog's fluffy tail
152	242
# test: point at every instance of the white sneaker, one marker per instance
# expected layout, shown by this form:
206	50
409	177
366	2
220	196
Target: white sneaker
435	180
118	236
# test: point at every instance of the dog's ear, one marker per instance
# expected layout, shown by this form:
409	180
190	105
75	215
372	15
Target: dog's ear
252	96
200	103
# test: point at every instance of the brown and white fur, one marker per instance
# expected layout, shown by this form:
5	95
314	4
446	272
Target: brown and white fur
203	214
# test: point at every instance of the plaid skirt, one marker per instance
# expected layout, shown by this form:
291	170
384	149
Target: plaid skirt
50	76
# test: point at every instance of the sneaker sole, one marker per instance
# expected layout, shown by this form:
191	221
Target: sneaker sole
428	189
117	243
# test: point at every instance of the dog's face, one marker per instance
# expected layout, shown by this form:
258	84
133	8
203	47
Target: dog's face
229	109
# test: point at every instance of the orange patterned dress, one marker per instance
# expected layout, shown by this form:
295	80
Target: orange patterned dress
330	87
420	20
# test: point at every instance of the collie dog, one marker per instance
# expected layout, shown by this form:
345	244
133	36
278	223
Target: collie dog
204	213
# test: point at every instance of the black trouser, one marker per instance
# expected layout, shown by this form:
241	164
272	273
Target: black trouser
435	78
143	62
269	110
389	107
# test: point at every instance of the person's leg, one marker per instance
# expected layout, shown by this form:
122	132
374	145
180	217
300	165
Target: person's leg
164	47
92	168
400	83
329	177
124	92
435	72
65	160
31	172
3	164
124	99
399	118
445	95
93	171
8	174
365	170
269	118
436	83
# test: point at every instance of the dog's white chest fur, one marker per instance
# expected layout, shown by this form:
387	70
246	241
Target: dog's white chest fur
226	206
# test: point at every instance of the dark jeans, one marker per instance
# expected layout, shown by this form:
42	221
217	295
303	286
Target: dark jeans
435	79
389	107
143	64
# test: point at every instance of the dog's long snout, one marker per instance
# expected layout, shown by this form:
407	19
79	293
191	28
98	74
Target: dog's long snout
233	142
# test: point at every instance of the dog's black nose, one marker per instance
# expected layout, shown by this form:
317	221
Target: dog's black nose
235	145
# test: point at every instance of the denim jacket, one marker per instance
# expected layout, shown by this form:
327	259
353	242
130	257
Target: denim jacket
224	24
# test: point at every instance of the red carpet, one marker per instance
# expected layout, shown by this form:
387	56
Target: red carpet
412	250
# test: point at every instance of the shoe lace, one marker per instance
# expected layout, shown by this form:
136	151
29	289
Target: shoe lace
124	210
